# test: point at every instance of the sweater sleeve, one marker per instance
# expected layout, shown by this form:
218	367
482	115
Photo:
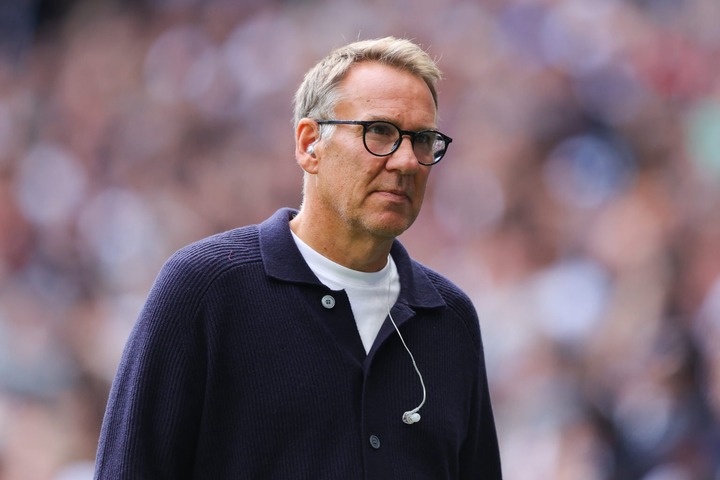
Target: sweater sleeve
480	454
152	417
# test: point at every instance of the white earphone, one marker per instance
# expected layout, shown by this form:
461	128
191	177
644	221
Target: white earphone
411	416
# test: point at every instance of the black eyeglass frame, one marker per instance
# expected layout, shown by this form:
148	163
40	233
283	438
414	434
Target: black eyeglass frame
366	123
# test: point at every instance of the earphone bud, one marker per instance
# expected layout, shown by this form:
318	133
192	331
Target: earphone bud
411	417
310	150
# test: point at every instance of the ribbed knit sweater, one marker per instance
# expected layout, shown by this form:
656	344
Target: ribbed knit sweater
237	369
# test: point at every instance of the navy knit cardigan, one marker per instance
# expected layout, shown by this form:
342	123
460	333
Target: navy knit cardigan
236	369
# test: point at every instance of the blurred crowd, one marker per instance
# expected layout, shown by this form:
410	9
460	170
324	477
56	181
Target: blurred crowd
579	204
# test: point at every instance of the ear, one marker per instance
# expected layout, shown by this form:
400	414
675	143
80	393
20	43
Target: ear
306	136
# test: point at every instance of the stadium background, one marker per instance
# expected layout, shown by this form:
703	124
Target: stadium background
578	204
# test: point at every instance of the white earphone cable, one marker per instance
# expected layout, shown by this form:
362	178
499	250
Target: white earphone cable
411	416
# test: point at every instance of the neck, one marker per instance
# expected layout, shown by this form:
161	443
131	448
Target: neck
362	252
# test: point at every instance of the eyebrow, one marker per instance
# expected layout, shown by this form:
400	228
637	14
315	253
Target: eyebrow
397	124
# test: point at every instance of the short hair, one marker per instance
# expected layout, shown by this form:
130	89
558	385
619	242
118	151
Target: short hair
318	93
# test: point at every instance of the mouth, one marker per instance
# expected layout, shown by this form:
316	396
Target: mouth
395	195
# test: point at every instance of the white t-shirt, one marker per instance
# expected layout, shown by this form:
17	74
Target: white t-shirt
371	294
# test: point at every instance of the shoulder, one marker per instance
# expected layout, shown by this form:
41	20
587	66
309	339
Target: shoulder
457	302
453	295
222	250
427	288
199	264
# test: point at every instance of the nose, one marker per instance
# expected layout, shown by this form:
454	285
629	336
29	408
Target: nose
403	159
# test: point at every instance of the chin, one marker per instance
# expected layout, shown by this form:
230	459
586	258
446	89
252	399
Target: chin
391	229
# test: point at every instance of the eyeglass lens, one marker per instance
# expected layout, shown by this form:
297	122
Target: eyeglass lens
383	138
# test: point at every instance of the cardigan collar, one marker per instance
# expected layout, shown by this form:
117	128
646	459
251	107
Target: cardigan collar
282	260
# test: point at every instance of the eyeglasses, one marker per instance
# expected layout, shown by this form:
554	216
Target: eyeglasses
384	138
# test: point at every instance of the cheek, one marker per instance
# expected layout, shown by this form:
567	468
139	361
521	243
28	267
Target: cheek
339	183
344	179
354	176
421	180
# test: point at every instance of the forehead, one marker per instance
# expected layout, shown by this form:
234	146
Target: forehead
371	90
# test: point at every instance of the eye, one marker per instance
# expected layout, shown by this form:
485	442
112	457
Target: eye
382	129
425	139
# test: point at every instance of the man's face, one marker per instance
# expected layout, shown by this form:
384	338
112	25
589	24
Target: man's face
360	193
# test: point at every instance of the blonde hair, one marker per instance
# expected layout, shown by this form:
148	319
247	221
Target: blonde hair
318	94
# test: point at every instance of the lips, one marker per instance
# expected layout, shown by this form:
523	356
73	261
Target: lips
401	194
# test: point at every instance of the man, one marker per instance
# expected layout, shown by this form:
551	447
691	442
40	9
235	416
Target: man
297	348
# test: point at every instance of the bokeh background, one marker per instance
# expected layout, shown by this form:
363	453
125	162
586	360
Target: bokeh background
579	204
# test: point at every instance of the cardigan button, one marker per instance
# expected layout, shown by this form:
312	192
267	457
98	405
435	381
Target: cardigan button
374	442
328	301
